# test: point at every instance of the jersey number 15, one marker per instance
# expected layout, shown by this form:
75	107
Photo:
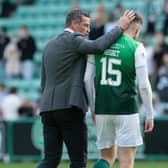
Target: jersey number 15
107	68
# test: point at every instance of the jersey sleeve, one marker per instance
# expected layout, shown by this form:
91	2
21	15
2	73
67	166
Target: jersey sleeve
143	81
140	56
91	59
89	81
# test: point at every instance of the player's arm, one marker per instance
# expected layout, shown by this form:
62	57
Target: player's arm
100	44
144	86
89	84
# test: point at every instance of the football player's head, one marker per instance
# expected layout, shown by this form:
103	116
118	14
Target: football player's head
135	25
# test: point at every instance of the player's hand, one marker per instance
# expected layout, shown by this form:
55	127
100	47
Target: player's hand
149	124
126	18
93	117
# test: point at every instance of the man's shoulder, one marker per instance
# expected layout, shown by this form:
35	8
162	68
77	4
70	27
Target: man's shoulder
68	35
65	38
75	35
71	33
74	38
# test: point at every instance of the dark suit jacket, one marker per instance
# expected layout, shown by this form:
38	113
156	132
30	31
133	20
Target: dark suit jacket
63	67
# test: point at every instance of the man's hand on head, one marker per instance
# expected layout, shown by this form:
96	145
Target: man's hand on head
126	19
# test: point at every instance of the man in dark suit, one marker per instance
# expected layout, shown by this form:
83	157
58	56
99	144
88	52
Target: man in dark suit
64	101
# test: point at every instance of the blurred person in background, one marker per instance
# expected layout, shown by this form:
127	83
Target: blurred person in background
26	109
10	105
159	49
99	20
152	13
113	17
165	22
111	23
113	102
7	8
118	10
64	103
4	40
12	59
162	79
27	46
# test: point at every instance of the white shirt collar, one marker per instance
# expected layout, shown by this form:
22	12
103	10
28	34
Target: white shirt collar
68	29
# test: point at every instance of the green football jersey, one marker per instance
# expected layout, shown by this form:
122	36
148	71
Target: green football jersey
115	78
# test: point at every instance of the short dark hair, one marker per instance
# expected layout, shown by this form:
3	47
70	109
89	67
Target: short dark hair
75	14
138	18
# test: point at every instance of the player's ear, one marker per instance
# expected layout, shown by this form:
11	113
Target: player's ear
137	30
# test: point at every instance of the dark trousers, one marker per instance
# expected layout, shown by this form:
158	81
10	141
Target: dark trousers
66	126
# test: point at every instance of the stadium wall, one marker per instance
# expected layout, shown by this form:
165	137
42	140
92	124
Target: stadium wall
23	140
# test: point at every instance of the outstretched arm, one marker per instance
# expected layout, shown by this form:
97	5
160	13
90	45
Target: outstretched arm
99	45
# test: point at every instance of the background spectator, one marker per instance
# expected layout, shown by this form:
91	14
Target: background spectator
111	23
118	11
4	40
26	109
159	49
113	17
162	84
27	46
165	12
151	15
7	8
10	105
97	26
12	59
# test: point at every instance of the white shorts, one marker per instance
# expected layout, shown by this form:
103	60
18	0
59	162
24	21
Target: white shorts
120	130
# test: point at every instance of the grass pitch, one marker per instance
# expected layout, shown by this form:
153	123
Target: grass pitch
138	164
